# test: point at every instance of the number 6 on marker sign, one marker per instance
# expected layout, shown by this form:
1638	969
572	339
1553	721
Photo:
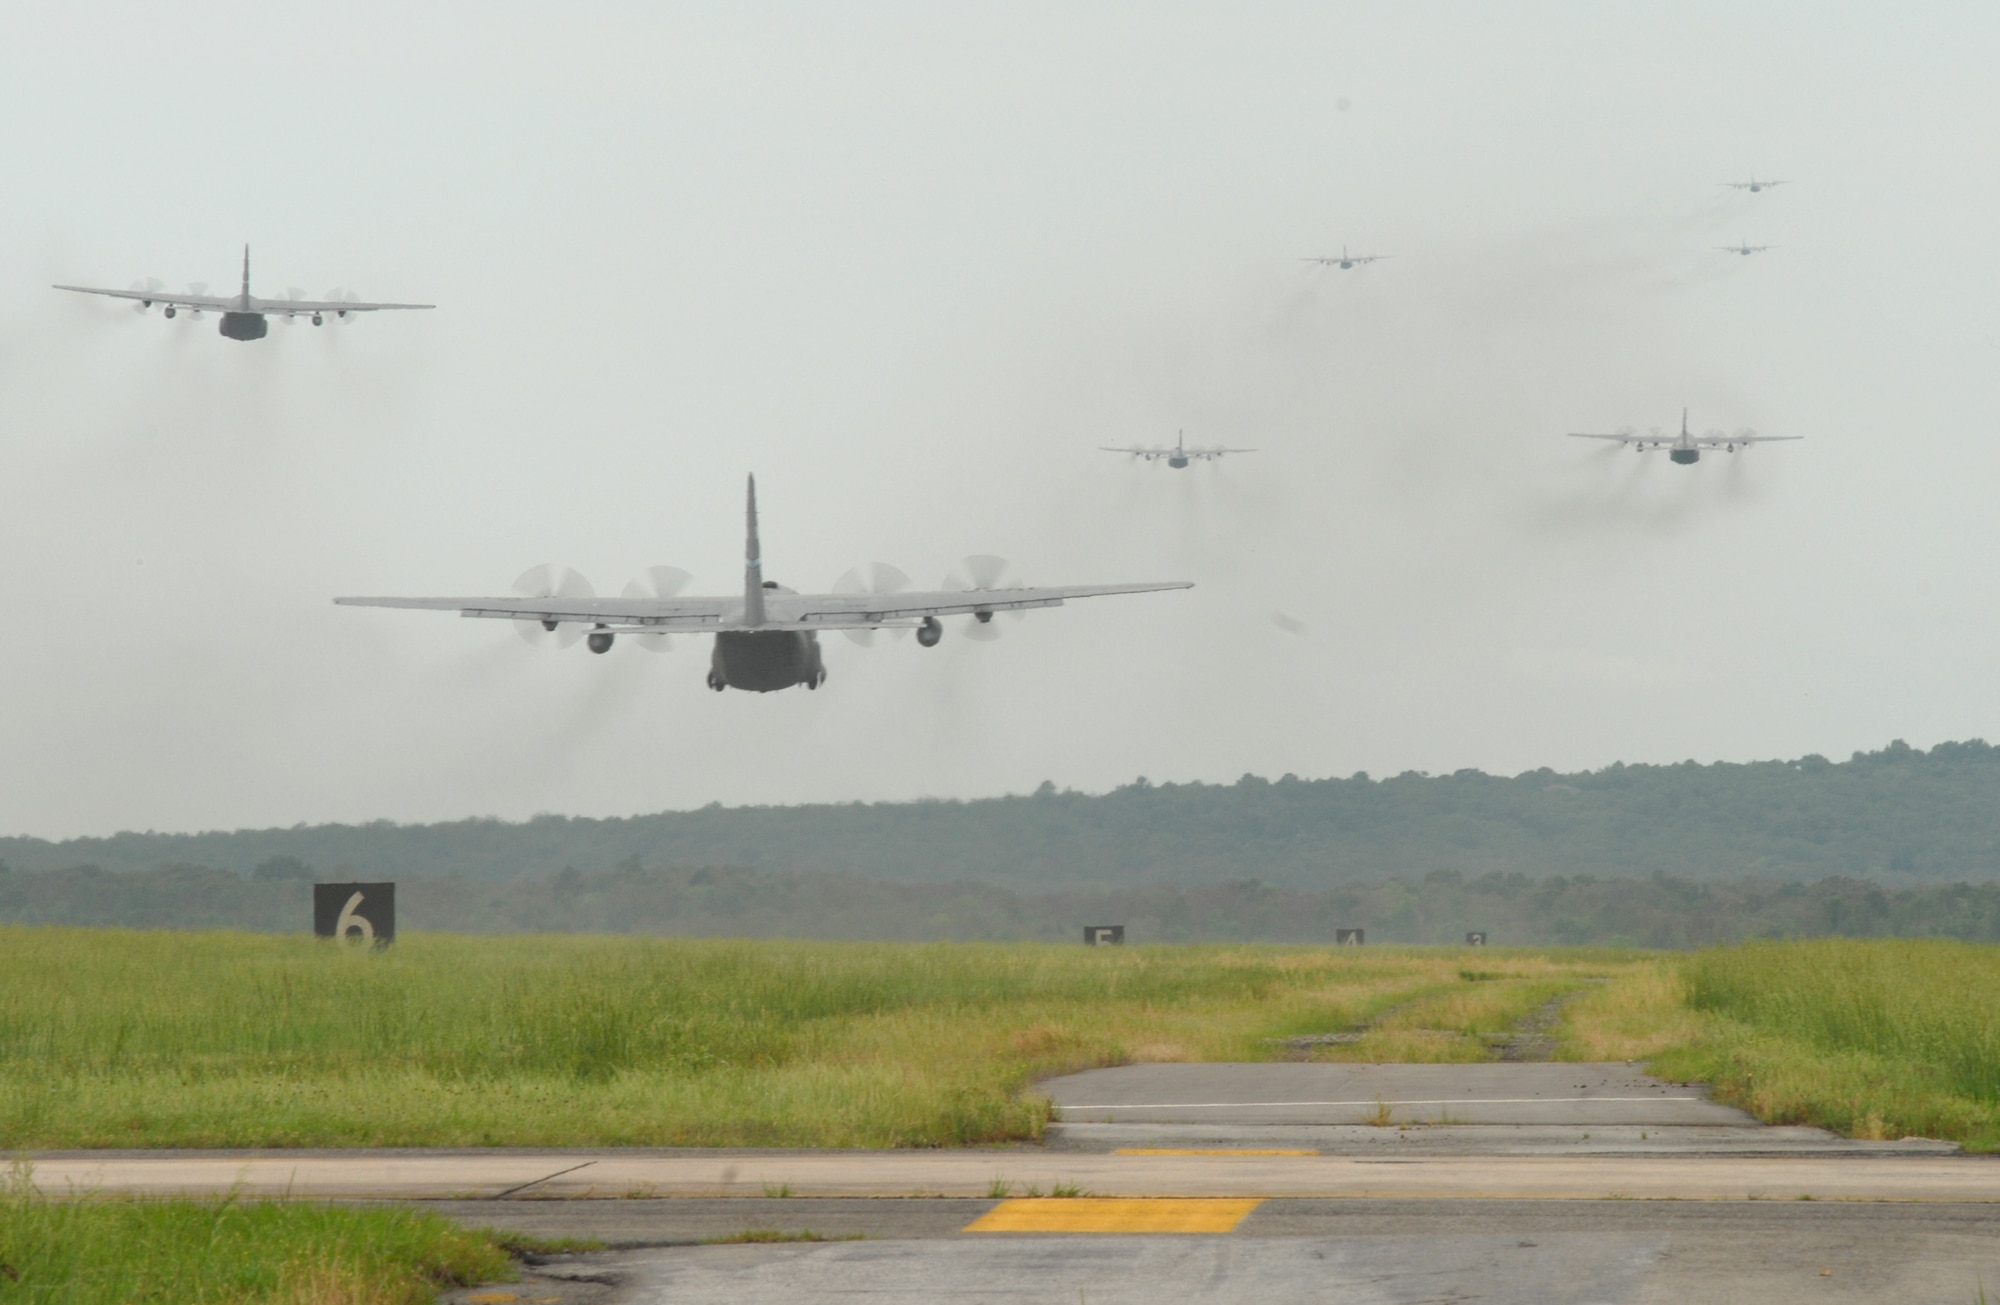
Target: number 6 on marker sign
349	920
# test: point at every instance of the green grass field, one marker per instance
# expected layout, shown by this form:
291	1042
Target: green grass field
232	1253
116	1038
1872	1039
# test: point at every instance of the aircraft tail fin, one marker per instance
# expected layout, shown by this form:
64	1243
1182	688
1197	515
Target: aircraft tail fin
246	274
1684	421
753	565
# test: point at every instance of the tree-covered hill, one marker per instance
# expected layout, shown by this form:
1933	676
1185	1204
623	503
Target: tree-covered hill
1900	816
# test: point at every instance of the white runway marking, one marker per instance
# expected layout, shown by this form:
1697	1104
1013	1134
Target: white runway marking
1371	1101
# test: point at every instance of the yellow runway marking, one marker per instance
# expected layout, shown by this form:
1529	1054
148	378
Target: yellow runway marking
1172	1150
1111	1214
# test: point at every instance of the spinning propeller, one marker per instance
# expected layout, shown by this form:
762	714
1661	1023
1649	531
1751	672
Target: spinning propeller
151	285
880	578
549	581
660	582
340	296
982	571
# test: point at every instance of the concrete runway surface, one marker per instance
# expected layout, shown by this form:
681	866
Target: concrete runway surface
1529	1183
1322	1094
495	1175
1761	1253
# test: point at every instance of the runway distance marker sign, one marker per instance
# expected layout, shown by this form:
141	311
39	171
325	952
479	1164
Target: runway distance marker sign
355	913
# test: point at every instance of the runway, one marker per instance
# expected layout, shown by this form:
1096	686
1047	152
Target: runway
1553	1132
1253	1095
1221	1183
1348	1252
712	1174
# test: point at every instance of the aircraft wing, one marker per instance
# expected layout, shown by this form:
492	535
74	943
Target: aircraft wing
1722	441
210	303
1622	439
850	611
783	611
656	613
324	306
1151	454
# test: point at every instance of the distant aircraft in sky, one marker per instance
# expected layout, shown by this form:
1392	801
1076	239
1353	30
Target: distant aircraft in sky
243	315
1346	259
1753	185
1179	455
768	637
1686	447
1745	248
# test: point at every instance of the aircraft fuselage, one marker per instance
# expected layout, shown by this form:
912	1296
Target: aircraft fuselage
245	326
1177	462
1684	456
763	661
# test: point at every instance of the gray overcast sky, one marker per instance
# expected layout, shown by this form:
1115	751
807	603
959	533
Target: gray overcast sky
910	264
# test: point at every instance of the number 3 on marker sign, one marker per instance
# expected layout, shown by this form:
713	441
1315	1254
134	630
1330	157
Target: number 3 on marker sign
349	920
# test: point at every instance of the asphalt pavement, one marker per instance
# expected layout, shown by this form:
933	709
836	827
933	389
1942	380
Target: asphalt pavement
1348	1250
1225	1183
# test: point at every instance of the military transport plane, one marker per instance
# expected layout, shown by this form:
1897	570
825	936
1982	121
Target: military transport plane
1753	185
1177	456
1347	260
243	314
769	637
1686	447
1746	248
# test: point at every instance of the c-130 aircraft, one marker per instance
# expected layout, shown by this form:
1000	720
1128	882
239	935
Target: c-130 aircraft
1685	448
243	315
768	639
1177	456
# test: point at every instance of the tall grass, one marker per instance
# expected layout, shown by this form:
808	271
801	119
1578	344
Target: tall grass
123	1038
232	1253
1872	1038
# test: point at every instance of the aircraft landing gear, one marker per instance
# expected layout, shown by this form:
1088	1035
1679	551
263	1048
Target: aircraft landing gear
715	682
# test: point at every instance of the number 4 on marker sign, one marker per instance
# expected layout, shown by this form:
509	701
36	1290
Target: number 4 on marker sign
349	920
